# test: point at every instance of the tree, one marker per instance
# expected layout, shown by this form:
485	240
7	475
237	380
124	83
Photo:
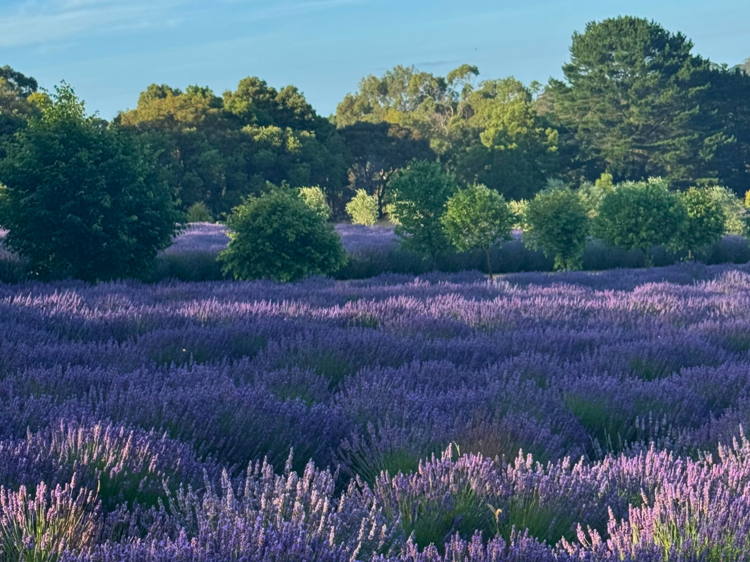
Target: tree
363	209
377	152
420	194
83	200
277	236
735	212
640	215
18	94
219	150
632	95
477	218
316	200
557	223
198	212
505	144
705	222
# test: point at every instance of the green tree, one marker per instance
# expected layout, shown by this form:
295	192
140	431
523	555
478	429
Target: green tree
83	200
632	95
477	218
640	215
277	236
420	194
199	212
316	200
363	209
504	144
735	212
705	222
219	150
557	223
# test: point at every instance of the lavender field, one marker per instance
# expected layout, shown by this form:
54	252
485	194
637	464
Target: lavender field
583	417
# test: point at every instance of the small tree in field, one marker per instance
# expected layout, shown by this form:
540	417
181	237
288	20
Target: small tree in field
199	212
706	221
277	236
477	218
420	195
316	200
640	215
557	223
83	200
363	208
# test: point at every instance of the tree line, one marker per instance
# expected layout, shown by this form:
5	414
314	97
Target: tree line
635	102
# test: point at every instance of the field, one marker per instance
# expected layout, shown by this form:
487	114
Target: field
532	417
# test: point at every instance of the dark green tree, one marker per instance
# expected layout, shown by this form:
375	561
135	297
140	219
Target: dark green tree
277	236
83	200
17	96
377	151
420	194
632	95
557	222
477	218
640	215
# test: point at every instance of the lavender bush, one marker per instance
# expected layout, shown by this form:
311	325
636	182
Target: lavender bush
549	417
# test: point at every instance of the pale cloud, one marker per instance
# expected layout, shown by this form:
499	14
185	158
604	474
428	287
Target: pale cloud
46	22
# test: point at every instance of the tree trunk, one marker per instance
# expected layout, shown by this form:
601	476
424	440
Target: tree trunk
489	262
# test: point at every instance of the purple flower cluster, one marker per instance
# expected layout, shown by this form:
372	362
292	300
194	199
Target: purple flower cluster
548	417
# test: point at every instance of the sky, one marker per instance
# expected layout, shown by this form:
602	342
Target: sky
111	50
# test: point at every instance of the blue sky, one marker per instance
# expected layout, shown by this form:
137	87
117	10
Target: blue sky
110	50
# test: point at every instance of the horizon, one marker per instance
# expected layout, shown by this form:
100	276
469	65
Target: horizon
109	51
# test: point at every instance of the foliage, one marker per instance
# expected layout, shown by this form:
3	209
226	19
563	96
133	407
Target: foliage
477	218
558	224
420	195
363	208
735	212
706	221
316	200
632	98
518	208
377	151
640	215
83	200
220	150
277	236
505	144
199	212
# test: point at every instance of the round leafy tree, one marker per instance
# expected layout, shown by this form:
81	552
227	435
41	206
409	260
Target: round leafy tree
277	236
557	223
705	222
640	215
477	218
316	200
363	208
82	199
420	194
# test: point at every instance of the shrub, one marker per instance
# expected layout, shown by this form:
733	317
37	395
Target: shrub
316	200
199	212
83	200
558	224
420	195
277	236
705	222
640	215
518	208
735	212
363	209
477	218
